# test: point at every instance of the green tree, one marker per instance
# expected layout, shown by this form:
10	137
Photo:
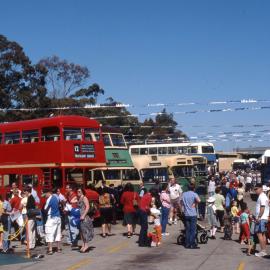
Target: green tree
21	83
63	77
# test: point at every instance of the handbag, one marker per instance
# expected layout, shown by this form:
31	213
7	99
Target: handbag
33	212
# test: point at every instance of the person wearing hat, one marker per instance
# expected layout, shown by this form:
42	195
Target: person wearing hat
53	223
211	215
262	214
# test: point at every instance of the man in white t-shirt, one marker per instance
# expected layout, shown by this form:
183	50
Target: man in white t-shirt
262	214
175	192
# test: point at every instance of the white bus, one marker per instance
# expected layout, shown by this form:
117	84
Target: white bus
204	149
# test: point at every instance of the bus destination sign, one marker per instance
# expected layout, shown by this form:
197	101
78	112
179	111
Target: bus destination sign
84	151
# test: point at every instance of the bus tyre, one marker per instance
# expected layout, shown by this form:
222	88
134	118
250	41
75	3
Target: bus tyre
204	238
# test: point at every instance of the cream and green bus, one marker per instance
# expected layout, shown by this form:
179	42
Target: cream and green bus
181	167
119	168
152	169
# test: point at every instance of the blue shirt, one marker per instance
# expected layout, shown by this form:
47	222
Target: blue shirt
52	205
189	198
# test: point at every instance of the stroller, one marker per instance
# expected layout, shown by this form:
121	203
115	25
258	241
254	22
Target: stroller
202	235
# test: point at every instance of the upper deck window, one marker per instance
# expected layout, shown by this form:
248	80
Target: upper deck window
135	151
162	150
30	136
50	134
172	150
152	150
118	140
97	137
12	138
144	151
182	150
91	134
106	140
207	149
72	134
0	138
192	150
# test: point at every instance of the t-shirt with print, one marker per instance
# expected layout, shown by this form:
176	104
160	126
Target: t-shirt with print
244	218
189	199
262	201
175	191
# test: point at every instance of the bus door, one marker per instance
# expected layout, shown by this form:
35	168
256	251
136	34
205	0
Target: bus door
52	177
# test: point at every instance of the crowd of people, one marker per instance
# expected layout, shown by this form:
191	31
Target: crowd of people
58	219
228	211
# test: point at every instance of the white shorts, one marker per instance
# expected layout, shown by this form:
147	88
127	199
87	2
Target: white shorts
53	229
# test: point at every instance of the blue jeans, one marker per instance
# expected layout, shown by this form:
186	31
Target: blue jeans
6	235
73	233
260	227
143	239
164	218
190	222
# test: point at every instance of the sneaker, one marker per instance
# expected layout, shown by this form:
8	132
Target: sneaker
261	254
165	234
153	244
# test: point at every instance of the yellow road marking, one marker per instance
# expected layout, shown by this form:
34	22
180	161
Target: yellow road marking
241	266
79	264
118	247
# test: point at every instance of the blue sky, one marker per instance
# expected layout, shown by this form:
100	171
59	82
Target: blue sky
149	51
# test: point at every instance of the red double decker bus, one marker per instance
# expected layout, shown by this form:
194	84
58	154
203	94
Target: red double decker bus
50	152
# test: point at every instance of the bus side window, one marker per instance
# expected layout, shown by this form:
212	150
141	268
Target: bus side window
144	151
12	137
135	151
30	136
162	150
10	178
172	150
30	179
1	138
74	176
50	134
152	150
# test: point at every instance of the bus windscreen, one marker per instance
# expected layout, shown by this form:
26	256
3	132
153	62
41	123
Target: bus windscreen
182	171
154	174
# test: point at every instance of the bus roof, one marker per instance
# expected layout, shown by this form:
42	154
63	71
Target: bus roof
171	144
63	120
